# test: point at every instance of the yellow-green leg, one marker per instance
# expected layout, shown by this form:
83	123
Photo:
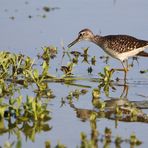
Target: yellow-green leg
125	68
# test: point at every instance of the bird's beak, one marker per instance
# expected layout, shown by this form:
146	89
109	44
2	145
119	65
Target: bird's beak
74	42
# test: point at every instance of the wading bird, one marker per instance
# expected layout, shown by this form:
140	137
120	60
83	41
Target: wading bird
120	47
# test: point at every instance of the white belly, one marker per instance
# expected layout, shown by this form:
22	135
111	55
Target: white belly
125	55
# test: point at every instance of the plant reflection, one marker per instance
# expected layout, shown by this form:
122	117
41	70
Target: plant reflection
26	127
96	137
113	109
117	109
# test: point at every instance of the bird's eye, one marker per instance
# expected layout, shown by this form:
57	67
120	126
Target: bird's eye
81	34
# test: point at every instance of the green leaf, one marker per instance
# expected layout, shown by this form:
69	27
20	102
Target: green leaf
36	73
2	110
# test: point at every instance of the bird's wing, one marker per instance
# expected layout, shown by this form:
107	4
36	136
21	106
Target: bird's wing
124	43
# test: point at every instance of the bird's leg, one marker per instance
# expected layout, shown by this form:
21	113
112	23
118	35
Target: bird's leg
125	91
125	68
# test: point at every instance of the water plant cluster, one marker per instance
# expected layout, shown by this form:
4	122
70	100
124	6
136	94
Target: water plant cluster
21	113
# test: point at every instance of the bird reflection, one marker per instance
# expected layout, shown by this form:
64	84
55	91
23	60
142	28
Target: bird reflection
118	109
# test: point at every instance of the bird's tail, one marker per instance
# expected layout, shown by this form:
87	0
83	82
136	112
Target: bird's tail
142	54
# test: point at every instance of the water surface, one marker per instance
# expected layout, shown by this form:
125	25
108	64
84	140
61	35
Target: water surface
21	34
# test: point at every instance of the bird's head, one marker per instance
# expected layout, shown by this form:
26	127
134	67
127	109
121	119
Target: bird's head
85	34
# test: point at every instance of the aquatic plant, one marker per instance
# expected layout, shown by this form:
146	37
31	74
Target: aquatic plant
19	72
105	80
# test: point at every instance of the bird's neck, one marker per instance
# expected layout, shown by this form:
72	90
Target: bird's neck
97	39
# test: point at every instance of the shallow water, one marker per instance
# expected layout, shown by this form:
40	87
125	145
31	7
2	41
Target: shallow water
27	35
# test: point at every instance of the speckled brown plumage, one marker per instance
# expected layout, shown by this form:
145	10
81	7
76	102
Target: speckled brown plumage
118	46
122	43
